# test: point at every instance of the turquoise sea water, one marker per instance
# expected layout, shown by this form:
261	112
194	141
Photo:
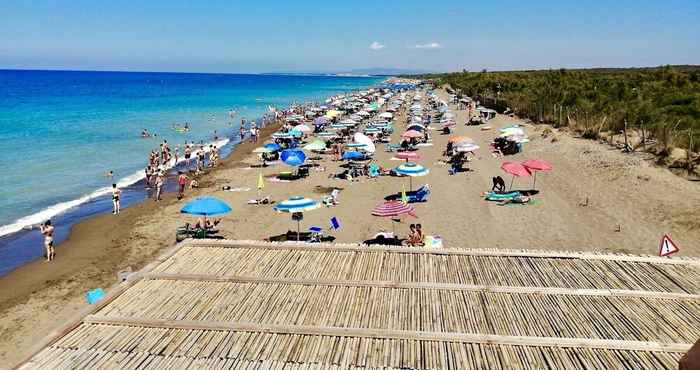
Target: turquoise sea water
61	131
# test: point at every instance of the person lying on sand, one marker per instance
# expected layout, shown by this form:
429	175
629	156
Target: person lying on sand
260	201
518	199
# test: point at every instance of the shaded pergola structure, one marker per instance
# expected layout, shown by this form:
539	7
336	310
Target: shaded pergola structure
251	304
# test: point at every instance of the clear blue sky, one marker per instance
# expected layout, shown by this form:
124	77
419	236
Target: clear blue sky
261	36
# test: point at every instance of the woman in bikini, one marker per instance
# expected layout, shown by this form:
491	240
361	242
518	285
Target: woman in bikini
116	192
47	230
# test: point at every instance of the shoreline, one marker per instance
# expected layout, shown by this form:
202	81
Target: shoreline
98	247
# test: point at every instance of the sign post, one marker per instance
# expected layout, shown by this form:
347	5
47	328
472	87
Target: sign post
667	247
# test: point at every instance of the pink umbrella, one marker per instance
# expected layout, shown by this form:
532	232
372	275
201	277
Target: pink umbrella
393	208
535	165
408	156
515	169
411	134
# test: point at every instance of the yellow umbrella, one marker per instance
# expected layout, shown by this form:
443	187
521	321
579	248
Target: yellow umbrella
404	198
333	113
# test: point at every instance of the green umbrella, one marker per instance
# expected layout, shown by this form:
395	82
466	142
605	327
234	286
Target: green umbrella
315	145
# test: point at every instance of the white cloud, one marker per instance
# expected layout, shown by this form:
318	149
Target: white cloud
376	46
430	45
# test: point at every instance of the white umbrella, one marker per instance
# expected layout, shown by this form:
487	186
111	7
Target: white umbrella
386	115
364	139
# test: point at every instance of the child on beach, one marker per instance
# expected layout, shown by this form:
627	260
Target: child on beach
47	230
115	199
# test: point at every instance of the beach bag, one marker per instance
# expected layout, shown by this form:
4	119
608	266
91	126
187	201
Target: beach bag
94	295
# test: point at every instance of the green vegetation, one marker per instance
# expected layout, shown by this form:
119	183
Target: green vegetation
663	103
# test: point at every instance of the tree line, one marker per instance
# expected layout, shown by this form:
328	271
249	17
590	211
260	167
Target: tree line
659	103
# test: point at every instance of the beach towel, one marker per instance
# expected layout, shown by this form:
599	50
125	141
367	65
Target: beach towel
274	179
94	295
433	241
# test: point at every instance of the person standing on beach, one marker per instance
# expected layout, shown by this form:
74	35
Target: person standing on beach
160	182
188	154
47	230
116	192
242	133
181	183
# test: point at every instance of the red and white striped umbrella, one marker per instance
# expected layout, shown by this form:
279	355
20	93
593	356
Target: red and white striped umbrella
393	208
413	156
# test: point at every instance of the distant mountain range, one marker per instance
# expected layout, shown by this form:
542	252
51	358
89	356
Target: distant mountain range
359	72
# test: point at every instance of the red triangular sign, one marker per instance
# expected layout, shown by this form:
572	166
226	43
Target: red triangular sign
667	246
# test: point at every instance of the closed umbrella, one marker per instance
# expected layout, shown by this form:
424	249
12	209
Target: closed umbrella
297	204
392	209
411	170
535	165
515	169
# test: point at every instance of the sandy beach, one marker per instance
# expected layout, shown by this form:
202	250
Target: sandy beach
595	199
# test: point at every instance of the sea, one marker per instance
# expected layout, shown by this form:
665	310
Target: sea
62	131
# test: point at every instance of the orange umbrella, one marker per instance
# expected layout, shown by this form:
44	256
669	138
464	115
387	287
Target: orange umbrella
459	139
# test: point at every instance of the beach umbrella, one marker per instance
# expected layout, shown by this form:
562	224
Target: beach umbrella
459	139
415	127
465	147
408	156
293	157
372	130
351	156
296	133
412	134
364	139
515	169
411	170
355	145
349	121
320	121
302	128
386	115
282	135
535	165
206	206
262	149
327	135
333	113
261	183
273	146
393	209
363	113
297	204
317	144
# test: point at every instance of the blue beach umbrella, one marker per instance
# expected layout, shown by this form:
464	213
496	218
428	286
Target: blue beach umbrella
297	204
293	157
412	170
206	206
349	156
273	146
296	133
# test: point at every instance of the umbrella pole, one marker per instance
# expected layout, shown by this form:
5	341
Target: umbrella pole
511	183
298	230
534	180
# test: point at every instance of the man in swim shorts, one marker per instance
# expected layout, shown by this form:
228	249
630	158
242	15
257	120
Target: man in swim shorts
47	230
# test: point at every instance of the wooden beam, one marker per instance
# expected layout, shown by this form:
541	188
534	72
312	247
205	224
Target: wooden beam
430	286
393	334
248	244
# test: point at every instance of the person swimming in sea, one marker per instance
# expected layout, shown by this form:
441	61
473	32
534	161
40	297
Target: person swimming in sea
145	134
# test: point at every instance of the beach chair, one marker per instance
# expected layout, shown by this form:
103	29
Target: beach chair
332	199
373	171
420	195
392	147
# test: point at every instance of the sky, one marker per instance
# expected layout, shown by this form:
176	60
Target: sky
332	36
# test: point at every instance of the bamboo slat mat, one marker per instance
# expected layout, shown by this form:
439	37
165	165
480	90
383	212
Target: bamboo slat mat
256	305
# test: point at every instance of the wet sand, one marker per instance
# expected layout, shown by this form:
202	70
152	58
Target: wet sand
628	191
